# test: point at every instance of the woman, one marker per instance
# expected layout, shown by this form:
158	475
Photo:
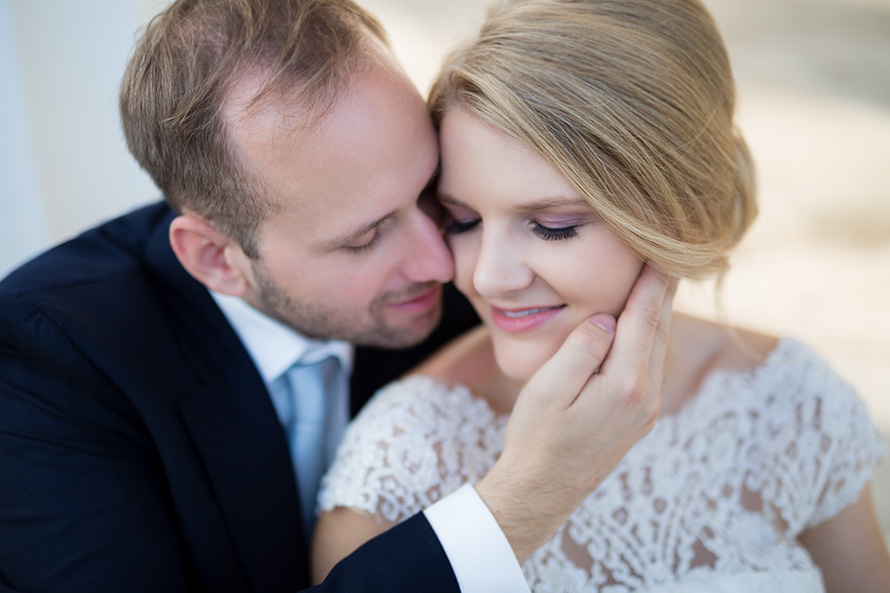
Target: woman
581	140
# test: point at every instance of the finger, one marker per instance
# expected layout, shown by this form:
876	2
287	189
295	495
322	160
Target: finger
563	376
655	379
662	333
638	326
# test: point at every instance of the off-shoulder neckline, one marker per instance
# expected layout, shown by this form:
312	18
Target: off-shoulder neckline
785	346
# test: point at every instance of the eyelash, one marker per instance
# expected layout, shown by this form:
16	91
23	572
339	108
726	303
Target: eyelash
554	234
539	230
456	227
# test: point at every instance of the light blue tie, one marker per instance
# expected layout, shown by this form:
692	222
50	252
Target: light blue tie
312	386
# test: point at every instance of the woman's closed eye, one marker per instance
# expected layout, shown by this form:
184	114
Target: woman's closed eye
456	227
549	233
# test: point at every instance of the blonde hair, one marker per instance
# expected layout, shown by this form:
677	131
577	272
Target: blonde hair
631	100
182	70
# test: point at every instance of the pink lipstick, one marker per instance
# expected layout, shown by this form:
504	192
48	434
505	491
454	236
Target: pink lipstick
516	321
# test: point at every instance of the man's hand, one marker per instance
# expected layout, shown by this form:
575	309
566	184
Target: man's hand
579	415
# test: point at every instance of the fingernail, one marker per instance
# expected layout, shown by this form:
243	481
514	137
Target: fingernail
604	322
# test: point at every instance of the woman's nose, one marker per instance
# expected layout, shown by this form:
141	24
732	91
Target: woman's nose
500	266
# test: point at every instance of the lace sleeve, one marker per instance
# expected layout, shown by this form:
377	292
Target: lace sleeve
845	446
413	443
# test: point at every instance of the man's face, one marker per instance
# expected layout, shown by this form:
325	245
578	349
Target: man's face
350	254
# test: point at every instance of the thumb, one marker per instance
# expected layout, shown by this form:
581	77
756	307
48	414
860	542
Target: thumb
568	371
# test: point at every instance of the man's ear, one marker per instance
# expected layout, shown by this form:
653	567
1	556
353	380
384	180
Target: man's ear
215	260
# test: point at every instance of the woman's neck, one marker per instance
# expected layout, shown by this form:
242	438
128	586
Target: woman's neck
469	361
696	348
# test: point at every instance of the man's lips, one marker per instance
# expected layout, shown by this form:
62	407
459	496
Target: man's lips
421	303
522	320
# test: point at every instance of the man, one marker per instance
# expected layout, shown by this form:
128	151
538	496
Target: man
150	431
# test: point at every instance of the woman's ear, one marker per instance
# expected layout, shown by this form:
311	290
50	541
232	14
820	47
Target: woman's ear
212	258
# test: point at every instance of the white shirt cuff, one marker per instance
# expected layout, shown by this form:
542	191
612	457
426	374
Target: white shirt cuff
477	549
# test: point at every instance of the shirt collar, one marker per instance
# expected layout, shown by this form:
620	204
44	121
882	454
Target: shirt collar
273	346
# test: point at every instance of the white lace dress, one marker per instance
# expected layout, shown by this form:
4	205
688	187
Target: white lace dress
712	499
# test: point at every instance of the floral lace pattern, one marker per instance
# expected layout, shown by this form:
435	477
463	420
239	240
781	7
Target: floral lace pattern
712	499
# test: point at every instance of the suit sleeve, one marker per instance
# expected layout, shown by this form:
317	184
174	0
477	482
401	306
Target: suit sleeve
406	559
82	500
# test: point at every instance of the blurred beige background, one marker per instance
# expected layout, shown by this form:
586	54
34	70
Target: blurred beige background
814	84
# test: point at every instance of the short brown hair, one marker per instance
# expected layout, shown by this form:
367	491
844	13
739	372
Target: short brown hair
181	72
631	100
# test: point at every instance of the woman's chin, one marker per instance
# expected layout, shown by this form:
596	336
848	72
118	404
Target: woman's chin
520	366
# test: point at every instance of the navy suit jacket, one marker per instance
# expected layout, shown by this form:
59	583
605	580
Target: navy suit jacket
139	450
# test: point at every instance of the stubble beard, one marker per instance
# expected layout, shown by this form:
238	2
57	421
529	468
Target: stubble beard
314	320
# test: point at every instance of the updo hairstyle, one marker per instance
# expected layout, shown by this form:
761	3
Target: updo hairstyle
631	100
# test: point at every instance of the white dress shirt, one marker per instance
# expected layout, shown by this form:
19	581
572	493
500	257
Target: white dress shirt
479	553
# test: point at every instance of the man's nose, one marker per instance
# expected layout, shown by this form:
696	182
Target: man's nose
427	257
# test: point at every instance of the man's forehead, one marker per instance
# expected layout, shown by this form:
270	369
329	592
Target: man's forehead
287	100
369	155
278	118
251	110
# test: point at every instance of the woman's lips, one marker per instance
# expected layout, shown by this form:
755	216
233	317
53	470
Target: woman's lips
420	304
522	320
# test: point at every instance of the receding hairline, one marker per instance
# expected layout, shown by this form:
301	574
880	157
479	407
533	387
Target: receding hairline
254	88
283	107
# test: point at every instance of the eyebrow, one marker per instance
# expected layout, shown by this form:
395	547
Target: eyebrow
533	206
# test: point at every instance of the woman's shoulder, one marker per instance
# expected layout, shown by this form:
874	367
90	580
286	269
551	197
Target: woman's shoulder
703	352
698	349
781	380
715	346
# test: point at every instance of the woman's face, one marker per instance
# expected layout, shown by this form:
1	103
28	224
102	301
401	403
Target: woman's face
529	252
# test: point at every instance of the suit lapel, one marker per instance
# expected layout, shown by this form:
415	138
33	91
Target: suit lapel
201	400
236	432
244	454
